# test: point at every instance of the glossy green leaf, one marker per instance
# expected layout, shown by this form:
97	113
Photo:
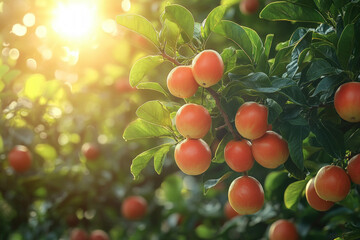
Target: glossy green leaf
142	67
293	194
268	42
143	129
140	25
219	153
290	89
257	44
141	161
152	86
273	182
282	58
213	182
183	18
346	45
212	20
274	109
154	112
286	11
319	68
159	157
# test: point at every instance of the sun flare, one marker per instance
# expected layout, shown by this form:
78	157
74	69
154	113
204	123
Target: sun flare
75	19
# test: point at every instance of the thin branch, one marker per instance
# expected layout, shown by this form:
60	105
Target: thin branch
220	127
173	60
214	94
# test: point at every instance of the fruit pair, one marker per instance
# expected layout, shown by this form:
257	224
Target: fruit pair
206	70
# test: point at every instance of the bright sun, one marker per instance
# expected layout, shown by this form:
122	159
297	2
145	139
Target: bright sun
75	19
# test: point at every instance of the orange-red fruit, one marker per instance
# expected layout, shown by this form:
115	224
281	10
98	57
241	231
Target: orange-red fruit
193	121
251	120
134	208
249	6
238	155
246	195
347	101
271	150
99	235
229	211
208	68
193	156
91	151
283	230
20	158
314	200
332	183
78	234
181	82
353	169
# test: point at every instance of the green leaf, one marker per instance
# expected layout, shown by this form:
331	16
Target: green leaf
282	58
142	129
213	182
327	85
286	11
183	18
352	139
229	57
46	151
346	45
219	153
35	86
290	89
273	182
319	68
154	112
140	25
159	157
268	42
323	5
293	194
229	2
257	44
212	20
237	34
152	86
141	160
274	109
170	35
141	67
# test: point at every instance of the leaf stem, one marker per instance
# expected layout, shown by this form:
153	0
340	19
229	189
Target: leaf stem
173	60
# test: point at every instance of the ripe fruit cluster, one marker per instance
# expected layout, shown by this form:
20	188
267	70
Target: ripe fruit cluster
80	234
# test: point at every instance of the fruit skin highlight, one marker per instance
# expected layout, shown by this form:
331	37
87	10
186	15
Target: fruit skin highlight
20	158
251	120
193	156
314	200
347	101
208	68
353	169
134	208
283	230
271	150
181	82
332	183
246	195
193	121
238	155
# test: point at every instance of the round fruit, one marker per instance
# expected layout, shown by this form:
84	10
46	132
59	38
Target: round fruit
271	150
332	183
99	235
181	82
238	155
229	211
251	120
246	195
347	101
20	158
353	169
91	151
193	121
208	68
193	156
314	200
134	208
283	230
78	234
249	6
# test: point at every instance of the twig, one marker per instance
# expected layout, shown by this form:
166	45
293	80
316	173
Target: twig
173	60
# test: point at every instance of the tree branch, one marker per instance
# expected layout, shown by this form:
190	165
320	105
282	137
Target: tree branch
173	60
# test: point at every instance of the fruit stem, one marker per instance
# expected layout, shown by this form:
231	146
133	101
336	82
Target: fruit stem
245	173
215	95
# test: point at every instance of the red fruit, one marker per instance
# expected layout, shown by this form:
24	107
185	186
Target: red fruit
99	235
229	211
193	121
20	158
78	234
208	68
314	200
238	155
91	151
332	183
181	82
353	169
283	230
134	208
193	156
249	6
246	195
347	101
271	150
123	86
251	120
